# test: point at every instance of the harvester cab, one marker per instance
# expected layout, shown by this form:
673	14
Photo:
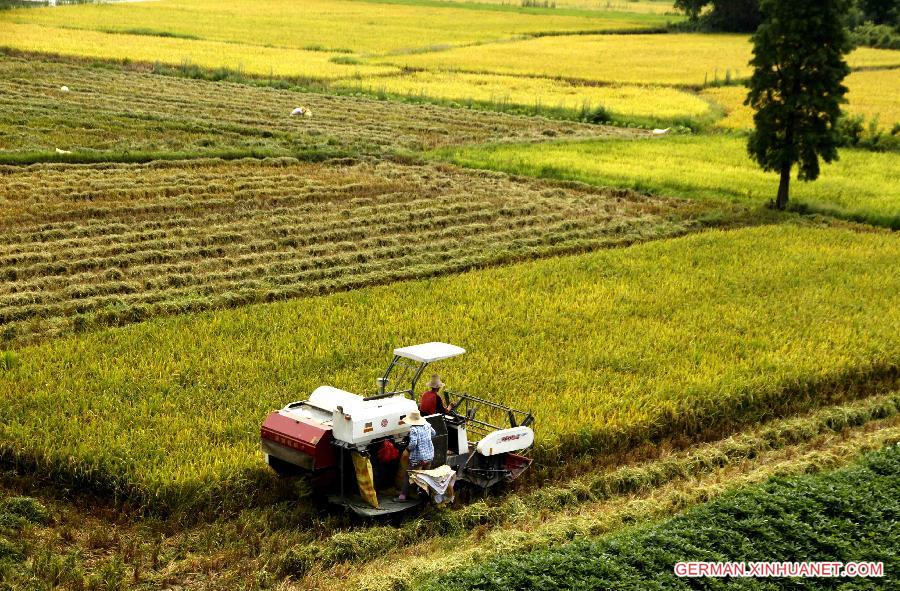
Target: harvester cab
335	437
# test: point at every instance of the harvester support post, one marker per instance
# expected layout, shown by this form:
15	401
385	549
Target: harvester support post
415	380
387	373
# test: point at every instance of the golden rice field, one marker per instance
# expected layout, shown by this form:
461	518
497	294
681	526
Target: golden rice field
687	59
872	94
120	111
260	61
664	338
638	6
86	246
731	99
861	185
259	26
875	94
538	93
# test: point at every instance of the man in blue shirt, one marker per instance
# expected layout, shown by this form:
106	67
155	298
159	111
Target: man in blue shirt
421	449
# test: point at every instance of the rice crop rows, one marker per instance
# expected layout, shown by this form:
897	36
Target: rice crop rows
114	244
539	93
685	59
251	26
666	338
861	185
872	94
123	111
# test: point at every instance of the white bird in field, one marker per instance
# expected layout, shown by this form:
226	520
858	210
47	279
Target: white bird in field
661	131
59	151
301	112
64	89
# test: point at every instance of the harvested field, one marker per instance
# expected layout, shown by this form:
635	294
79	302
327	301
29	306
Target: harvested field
87	245
122	111
666	339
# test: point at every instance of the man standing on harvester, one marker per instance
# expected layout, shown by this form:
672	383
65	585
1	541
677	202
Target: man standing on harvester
431	402
421	449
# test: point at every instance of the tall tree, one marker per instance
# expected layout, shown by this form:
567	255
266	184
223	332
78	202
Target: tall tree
796	88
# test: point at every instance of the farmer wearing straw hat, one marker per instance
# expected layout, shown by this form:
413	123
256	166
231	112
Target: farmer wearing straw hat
431	402
421	449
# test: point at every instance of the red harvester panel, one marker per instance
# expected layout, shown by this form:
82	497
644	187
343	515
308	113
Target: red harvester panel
308	438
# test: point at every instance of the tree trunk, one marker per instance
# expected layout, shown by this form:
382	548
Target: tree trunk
783	187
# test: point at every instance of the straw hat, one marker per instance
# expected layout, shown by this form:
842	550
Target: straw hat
435	382
415	418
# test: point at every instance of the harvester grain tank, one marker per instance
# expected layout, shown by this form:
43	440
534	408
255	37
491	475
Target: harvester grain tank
334	436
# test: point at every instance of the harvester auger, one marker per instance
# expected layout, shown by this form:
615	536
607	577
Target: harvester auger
334	436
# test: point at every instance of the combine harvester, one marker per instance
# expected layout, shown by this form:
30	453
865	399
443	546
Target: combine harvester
334	437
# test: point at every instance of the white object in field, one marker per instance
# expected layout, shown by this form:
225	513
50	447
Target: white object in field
429	352
302	112
661	131
64	89
437	482
356	420
506	440
59	151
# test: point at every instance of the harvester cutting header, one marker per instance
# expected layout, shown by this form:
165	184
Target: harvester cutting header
356	449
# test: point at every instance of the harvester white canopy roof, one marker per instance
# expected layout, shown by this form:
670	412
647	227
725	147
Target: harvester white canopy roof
429	352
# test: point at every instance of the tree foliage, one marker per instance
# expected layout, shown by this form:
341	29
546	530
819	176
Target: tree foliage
723	15
796	89
881	12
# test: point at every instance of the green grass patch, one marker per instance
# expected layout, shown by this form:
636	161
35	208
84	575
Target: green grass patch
672	337
154	33
861	186
847	515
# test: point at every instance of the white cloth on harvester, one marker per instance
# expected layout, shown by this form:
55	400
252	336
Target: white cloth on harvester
438	483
